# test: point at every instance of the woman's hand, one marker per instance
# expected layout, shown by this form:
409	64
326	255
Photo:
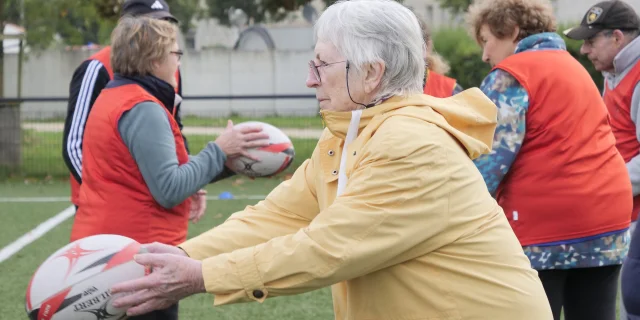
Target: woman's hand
173	278
235	142
198	205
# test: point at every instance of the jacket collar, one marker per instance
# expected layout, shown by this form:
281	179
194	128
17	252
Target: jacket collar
627	57
338	122
156	87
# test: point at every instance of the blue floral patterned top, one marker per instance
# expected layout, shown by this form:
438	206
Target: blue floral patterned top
512	100
457	89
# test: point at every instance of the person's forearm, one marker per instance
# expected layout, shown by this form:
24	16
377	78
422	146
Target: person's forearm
146	131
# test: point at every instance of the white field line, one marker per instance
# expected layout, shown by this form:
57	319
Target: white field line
36	233
33	235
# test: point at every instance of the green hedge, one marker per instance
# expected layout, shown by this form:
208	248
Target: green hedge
465	57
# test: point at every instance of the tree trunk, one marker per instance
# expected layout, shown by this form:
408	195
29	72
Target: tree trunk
10	134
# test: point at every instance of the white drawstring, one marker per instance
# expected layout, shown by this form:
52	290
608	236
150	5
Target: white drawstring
352	133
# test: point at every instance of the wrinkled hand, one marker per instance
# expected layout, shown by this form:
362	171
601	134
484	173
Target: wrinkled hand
235	142
173	278
198	205
157	247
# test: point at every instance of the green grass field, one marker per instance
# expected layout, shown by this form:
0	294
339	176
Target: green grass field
43	174
19	218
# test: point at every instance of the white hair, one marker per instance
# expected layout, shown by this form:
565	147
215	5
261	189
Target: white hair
369	31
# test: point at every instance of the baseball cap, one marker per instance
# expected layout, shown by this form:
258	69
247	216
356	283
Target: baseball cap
158	9
611	15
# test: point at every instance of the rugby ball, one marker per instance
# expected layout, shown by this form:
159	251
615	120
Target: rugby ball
74	282
274	158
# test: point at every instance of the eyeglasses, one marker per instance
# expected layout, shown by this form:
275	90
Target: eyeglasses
178	53
315	70
316	73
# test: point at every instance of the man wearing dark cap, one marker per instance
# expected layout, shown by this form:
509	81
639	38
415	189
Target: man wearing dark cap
610	31
157	9
86	84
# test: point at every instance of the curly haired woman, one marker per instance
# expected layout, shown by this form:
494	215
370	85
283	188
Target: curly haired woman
554	168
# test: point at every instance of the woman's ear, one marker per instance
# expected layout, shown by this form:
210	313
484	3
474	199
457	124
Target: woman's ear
516	34
373	76
156	65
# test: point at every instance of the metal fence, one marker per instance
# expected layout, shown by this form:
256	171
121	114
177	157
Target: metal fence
32	148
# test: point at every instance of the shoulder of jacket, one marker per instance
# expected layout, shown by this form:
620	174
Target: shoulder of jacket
410	116
401	128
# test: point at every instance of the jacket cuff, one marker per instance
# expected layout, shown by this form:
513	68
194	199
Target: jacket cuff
191	248
234	277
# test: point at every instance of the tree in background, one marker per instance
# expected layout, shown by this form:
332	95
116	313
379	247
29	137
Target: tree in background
78	22
456	6
68	21
184	10
257	11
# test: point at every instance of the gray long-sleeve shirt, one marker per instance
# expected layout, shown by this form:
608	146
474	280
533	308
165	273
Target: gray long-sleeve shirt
624	61
146	131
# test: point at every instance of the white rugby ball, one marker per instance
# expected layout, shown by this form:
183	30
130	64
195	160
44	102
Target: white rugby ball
274	158
74	282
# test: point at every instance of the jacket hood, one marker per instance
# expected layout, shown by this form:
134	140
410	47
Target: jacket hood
469	116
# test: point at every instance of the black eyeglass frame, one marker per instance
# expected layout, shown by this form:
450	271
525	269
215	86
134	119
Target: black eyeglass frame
316	73
178	53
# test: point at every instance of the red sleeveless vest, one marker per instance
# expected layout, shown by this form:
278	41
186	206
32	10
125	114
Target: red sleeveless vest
104	56
114	197
618	102
568	181
438	85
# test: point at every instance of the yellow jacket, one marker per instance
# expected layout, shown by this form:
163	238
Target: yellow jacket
414	234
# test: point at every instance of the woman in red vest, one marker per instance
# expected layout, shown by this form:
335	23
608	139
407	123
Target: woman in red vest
554	167
435	82
88	80
137	175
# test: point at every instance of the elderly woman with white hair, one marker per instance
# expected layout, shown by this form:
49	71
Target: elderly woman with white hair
389	210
